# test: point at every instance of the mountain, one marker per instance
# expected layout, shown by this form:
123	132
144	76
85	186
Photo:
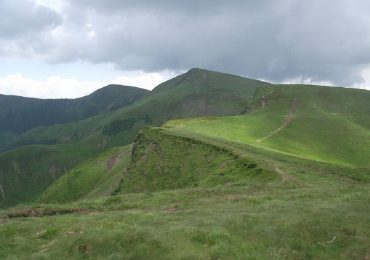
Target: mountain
326	124
216	167
20	114
195	93
311	122
314	123
216	196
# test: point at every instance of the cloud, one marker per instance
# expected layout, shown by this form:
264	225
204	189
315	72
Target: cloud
19	17
324	41
23	24
144	80
365	84
52	87
59	87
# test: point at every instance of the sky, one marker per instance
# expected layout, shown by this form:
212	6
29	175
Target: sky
69	48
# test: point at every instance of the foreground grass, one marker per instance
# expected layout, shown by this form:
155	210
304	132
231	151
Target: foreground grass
309	216
304	210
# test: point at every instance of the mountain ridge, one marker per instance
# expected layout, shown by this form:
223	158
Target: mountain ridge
15	110
247	109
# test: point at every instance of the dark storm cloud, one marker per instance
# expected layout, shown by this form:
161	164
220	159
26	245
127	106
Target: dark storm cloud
325	40
19	17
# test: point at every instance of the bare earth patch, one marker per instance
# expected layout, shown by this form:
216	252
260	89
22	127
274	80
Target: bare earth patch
288	118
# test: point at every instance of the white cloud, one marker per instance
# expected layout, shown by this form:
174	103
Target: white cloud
59	87
56	5
144	80
52	87
365	74
307	81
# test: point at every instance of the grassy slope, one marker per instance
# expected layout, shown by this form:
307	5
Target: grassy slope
156	163
96	177
195	93
26	172
309	210
19	114
329	124
161	161
7	138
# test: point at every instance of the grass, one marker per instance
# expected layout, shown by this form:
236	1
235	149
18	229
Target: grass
321	130
162	161
197	92
28	171
96	177
205	188
277	220
308	210
20	114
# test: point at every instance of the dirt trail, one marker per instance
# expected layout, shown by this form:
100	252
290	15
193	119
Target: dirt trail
288	118
204	75
111	162
263	103
42	212
264	100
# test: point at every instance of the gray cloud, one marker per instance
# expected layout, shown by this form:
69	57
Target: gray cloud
325	40
23	25
19	17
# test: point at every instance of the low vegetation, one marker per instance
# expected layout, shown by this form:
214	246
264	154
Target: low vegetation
244	170
96	177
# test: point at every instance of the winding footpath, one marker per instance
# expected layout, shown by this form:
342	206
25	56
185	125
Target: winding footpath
288	118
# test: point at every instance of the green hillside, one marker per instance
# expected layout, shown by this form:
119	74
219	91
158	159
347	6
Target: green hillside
195	93
318	123
26	172
199	197
98	176
159	161
20	114
162	161
244	170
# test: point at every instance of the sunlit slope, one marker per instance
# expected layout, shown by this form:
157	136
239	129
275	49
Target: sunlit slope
215	198
98	176
319	123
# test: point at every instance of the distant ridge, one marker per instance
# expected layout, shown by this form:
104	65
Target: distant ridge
19	114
